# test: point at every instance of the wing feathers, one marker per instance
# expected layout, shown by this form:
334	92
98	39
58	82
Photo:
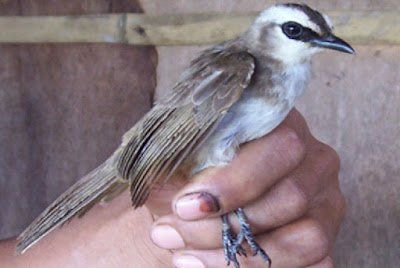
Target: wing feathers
179	123
207	88
81	196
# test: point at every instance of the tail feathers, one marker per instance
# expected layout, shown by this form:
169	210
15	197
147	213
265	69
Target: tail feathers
84	194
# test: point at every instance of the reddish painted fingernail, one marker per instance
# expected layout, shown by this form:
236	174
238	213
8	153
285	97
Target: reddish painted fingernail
197	205
166	237
187	261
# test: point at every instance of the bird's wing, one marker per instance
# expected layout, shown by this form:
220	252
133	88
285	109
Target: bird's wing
178	124
79	198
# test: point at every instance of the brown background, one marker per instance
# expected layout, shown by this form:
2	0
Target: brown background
64	108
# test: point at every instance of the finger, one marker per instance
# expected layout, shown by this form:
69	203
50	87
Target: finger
330	211
297	121
206	234
298	244
327	262
258	165
170	232
293	196
285	202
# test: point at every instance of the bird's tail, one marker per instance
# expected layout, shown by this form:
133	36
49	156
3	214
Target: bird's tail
100	183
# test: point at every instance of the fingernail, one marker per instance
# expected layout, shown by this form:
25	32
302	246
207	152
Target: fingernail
187	261
166	237
197	205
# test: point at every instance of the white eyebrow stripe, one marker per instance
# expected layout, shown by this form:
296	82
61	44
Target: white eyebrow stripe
282	14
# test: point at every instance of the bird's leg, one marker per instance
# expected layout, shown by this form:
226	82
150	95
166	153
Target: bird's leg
245	232
231	244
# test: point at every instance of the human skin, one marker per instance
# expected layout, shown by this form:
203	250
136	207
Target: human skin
286	182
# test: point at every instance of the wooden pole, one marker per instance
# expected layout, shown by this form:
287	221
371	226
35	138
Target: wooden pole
357	27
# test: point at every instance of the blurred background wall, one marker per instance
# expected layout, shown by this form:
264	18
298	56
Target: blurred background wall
64	108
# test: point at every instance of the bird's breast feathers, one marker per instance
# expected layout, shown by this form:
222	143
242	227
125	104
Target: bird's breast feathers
252	117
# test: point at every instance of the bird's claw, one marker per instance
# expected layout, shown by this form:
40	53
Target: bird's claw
232	244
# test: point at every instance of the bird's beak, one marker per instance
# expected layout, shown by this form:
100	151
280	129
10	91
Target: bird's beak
332	42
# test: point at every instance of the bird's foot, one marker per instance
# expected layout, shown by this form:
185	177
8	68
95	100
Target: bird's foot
246	233
232	245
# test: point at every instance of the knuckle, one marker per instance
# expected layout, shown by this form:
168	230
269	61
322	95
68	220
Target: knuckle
315	239
329	155
333	158
327	262
326	162
296	144
295	118
297	199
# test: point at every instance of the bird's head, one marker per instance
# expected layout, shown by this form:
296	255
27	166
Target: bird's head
292	33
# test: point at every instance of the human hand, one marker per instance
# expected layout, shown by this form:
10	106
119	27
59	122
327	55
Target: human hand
108	236
287	184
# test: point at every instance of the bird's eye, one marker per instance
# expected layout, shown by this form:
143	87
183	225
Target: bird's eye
292	29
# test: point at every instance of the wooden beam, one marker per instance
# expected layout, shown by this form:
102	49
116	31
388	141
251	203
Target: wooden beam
357	27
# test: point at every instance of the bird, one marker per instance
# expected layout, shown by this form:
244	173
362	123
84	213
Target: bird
232	93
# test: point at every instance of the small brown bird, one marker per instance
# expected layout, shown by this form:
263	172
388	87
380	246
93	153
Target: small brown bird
232	93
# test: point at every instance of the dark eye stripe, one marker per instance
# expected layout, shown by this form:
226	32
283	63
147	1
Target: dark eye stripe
296	31
308	35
